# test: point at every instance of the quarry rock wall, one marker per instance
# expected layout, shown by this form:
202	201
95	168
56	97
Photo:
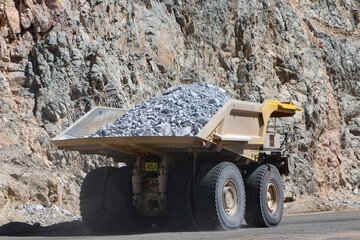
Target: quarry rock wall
59	58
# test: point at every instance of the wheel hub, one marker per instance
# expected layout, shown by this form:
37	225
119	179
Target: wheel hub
272	197
230	198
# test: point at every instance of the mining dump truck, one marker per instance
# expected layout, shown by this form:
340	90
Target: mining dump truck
229	171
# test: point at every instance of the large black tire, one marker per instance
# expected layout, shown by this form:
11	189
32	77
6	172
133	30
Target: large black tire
119	207
220	198
264	197
92	199
106	200
180	198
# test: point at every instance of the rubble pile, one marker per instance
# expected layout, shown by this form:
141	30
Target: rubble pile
45	215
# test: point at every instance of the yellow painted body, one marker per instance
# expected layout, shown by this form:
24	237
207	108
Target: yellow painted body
241	126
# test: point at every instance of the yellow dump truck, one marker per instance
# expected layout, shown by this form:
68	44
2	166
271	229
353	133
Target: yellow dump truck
229	171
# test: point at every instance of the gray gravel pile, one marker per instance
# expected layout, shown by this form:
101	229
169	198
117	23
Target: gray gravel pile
180	111
34	213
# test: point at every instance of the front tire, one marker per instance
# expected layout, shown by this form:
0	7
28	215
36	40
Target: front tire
264	196
221	198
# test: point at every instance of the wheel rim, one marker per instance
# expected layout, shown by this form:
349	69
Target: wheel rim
272	197
230	198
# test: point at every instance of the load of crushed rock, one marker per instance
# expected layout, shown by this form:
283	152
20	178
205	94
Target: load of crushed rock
180	111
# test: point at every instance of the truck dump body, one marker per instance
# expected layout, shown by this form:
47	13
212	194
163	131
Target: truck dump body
237	130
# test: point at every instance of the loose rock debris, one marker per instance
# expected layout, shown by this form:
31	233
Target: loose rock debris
180	111
34	213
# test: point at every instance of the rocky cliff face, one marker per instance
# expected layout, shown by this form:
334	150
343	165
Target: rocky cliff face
60	58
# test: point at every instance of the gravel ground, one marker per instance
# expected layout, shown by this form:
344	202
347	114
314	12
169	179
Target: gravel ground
180	111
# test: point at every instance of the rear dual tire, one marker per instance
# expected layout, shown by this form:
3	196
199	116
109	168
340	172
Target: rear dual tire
220	198
106	200
264	197
181	198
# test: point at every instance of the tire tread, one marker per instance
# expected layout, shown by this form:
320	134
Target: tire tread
207	192
181	199
91	199
255	212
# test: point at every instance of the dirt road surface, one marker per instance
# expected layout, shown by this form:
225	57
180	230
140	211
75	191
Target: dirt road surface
331	225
